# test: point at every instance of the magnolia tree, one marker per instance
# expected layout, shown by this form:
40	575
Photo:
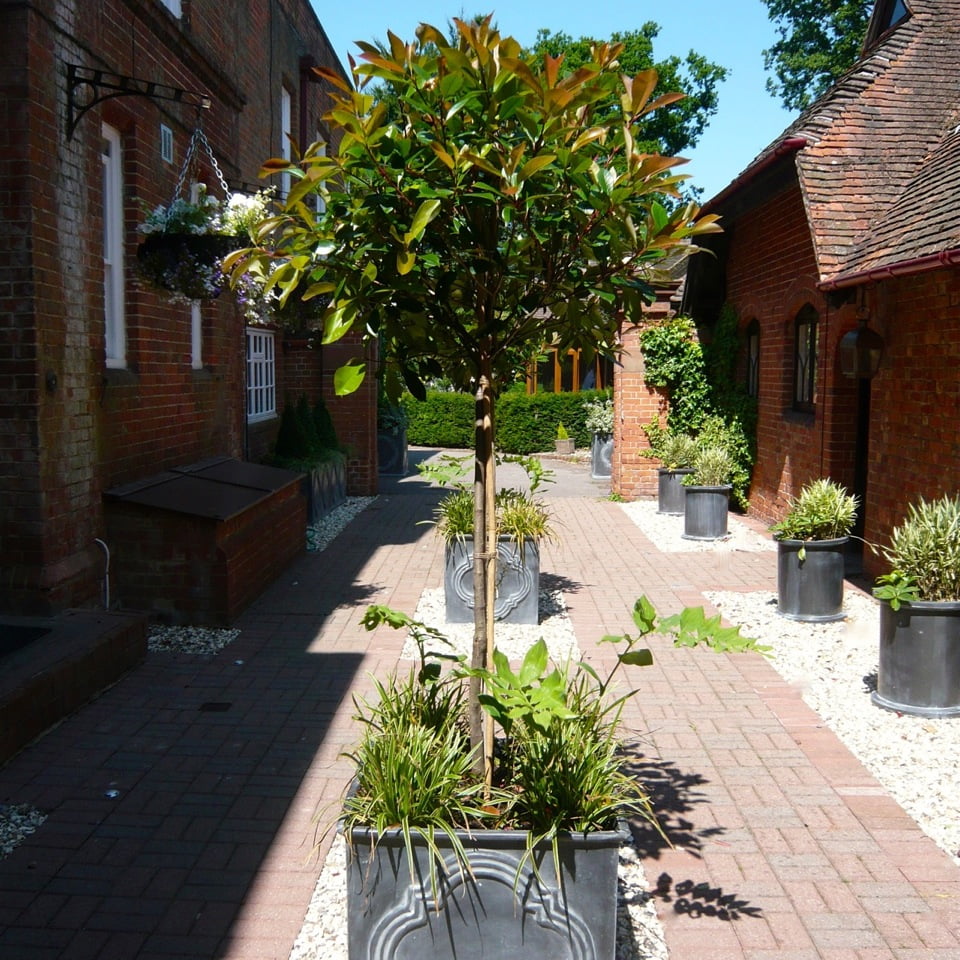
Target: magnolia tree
500	205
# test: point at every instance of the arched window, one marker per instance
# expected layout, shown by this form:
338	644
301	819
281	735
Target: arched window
805	359
753	359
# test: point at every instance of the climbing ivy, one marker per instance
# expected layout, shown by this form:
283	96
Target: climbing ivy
707	399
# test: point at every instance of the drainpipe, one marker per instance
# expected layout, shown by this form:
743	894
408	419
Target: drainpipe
905	268
106	574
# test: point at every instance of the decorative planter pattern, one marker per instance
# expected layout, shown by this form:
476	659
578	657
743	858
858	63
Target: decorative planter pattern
810	589
393	916
392	453
705	512
518	581
601	456
326	488
671	493
919	670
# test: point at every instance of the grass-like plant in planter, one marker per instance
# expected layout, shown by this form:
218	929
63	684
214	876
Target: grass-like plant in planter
810	546
441	868
706	501
523	523
676	452
919	668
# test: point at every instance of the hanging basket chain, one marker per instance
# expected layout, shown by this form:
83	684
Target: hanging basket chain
199	139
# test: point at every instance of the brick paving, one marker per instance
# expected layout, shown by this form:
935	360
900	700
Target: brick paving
783	845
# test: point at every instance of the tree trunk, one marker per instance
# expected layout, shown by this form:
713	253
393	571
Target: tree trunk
484	569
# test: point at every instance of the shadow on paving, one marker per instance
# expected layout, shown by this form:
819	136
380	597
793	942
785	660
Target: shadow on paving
673	794
166	794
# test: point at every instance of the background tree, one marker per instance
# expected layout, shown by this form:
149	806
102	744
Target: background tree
668	131
819	41
500	206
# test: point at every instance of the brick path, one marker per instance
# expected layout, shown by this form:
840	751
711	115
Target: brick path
784	846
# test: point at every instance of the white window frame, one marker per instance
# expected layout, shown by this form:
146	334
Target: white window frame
115	327
196	315
286	115
261	375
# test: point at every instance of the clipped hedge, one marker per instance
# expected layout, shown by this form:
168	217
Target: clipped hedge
525	424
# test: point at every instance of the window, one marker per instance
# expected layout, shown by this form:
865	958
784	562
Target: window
261	375
805	359
285	134
753	359
174	6
115	334
166	143
886	15
567	371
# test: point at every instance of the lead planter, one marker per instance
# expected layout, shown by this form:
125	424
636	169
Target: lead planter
487	913
392	453
671	493
919	667
601	456
810	579
705	512
518	581
326	488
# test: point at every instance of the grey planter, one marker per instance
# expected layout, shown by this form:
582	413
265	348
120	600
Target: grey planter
326	488
919	669
601	456
705	512
671	493
393	916
565	447
392	453
810	589
518	581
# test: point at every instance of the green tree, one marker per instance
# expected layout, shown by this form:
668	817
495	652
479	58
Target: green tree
819	41
668	131
498	208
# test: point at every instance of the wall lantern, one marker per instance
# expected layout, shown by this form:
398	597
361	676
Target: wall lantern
860	352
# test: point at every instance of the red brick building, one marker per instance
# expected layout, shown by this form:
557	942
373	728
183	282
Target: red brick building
103	383
847	228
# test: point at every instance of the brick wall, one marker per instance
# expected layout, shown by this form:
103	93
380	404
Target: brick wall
69	426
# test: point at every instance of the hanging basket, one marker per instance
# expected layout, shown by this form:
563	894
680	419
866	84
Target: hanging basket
186	264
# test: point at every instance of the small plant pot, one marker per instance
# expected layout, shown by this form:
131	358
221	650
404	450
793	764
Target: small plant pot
919	666
810	589
518	582
489	911
601	456
705	512
565	447
671	493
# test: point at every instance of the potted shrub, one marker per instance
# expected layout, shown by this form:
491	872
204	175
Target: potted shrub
443	864
522	524
810	546
564	442
919	667
706	501
599	421
675	451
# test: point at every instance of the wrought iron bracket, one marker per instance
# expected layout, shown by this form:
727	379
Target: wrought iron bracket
86	87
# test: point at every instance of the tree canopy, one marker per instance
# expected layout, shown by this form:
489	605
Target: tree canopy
819	41
668	131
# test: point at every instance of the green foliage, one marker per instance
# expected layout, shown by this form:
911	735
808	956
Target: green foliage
323	424
924	550
670	132
673	360
819	40
599	417
518	516
306	435
712	467
730	434
823	510
526	423
674	450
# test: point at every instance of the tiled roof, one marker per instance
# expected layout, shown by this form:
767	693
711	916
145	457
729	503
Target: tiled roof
880	174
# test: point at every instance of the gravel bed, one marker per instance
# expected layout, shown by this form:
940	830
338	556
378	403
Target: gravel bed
321	534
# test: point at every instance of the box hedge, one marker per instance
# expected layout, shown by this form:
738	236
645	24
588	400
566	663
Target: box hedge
525	423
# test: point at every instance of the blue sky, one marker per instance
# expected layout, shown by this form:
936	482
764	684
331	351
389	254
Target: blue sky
732	33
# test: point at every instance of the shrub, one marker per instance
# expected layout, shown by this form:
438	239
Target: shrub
822	511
